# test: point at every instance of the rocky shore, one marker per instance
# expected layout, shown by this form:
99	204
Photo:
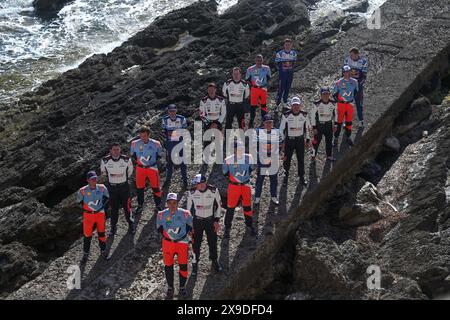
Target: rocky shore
55	135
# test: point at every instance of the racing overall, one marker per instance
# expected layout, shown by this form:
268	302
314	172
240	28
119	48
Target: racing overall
285	62
238	171
213	110
118	171
268	145
94	202
259	81
344	92
173	138
174	228
358	72
323	117
205	207
236	93
295	130
146	156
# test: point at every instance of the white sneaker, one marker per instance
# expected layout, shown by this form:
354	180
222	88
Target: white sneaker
275	201
257	200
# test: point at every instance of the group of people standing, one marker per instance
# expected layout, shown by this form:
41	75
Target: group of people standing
297	131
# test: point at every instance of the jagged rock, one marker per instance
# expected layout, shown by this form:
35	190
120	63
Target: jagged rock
359	6
29	222
13	195
392	143
369	194
351	21
18	264
332	21
359	214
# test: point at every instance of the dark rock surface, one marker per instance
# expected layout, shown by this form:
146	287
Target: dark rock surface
49	7
57	134
17	265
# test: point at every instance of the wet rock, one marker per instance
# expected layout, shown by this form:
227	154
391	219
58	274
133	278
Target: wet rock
359	6
49	6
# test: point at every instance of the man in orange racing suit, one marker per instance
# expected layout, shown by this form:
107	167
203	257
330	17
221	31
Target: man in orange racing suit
344	92
175	225
237	168
146	152
93	197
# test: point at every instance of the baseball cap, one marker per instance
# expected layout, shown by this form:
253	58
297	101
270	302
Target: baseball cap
268	117
238	143
346	68
212	84
91	175
296	100
171	107
325	90
172	196
199	178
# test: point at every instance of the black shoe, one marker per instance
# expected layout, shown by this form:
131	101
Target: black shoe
335	142
251	230
303	181
194	269
112	232
216	266
138	210
183	291
169	293
105	255
285	179
226	233
350	142
85	257
132	228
